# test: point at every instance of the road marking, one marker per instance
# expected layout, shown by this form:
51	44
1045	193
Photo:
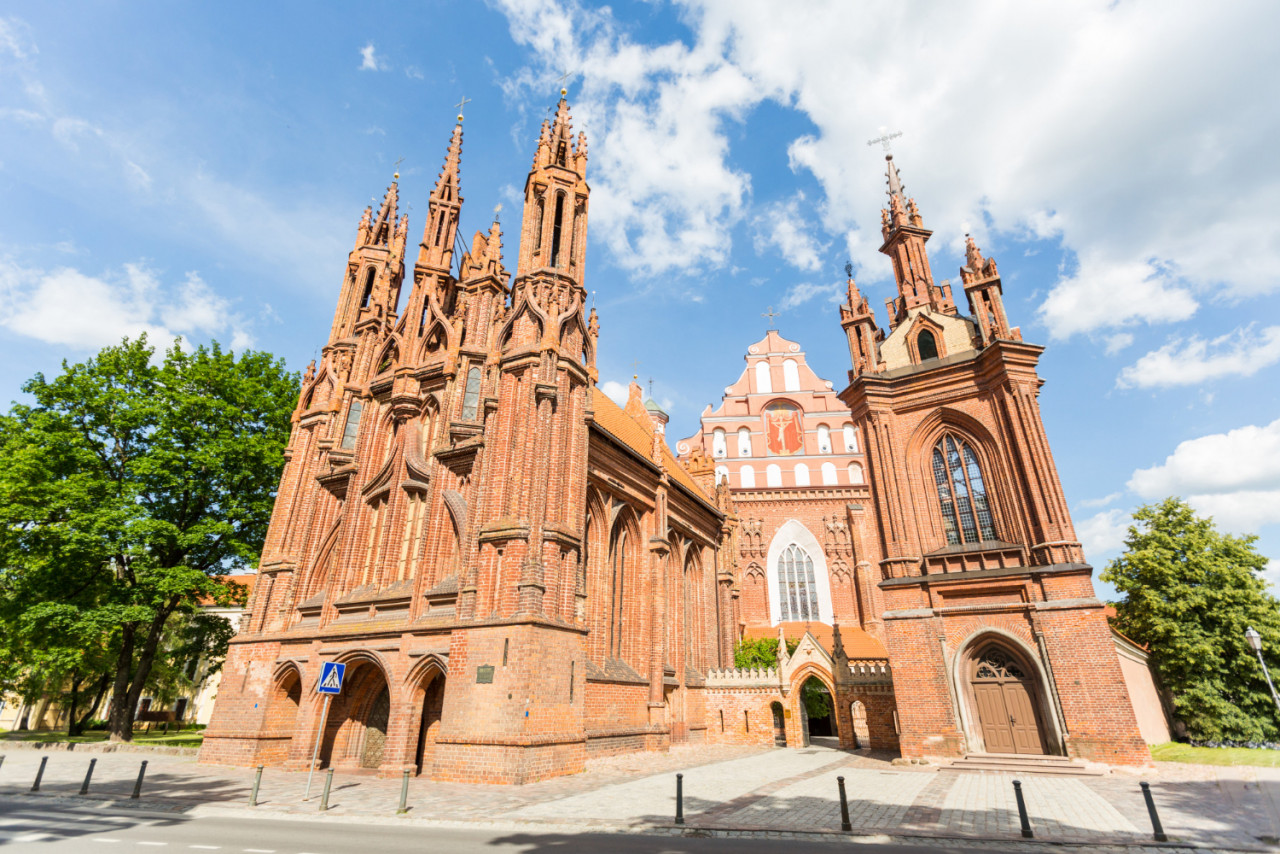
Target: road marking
260	851
104	839
155	844
206	847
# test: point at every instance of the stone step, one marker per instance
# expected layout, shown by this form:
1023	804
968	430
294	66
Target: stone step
1008	763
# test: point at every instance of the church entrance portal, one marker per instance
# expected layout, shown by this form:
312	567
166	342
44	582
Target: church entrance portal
1004	698
356	732
779	725
817	711
432	707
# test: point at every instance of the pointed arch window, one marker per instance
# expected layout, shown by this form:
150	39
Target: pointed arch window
368	288
962	492
797	587
618	571
471	397
352	426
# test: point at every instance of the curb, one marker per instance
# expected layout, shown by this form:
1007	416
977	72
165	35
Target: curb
98	747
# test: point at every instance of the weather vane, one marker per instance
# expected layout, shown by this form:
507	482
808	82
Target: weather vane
650	388
848	269
885	139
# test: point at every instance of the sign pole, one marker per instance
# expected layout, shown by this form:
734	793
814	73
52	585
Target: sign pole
324	719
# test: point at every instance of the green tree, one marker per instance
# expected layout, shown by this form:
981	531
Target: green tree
132	485
1189	594
760	652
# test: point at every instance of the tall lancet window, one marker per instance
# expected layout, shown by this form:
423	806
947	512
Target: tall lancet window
797	588
471	395
962	494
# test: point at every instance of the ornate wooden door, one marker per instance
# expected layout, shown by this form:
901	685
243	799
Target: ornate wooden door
375	733
1006	710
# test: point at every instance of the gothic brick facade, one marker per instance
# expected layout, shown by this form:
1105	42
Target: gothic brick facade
519	574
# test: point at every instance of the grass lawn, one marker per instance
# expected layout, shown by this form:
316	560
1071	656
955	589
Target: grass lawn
1175	752
188	738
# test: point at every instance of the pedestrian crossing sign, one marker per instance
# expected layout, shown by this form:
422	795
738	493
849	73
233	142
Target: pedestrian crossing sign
331	678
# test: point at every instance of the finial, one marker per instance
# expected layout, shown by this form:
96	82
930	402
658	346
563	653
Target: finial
848	269
564	92
395	176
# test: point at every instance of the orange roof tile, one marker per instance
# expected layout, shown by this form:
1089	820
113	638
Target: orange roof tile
245	581
857	643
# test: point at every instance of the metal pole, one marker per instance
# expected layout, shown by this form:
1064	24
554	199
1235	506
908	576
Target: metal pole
679	799
1	760
844	807
1157	828
1267	674
137	787
88	775
257	781
44	760
1022	811
324	797
324	719
404	794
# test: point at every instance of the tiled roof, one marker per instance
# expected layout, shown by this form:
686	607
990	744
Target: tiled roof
611	419
857	643
245	581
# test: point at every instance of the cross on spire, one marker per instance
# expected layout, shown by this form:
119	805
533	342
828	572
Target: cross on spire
650	388
635	369
564	78
771	314
885	139
465	100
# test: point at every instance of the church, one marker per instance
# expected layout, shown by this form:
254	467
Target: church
519	574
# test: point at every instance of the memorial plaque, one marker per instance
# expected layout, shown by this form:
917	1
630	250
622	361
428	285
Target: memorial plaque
484	674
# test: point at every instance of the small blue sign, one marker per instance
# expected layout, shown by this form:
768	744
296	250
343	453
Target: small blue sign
331	678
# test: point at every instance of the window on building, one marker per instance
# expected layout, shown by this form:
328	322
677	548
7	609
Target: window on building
368	288
748	475
718	447
850	439
773	475
764	383
828	474
802	474
824	439
744	442
618	570
797	588
556	229
962	494
790	375
855	474
471	398
926	345
352	426
722	474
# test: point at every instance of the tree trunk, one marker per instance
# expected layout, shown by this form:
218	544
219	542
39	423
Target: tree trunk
100	692
120	717
76	680
128	691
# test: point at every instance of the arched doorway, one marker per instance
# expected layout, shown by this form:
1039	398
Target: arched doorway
861	732
779	725
817	711
356	732
429	729
1005	699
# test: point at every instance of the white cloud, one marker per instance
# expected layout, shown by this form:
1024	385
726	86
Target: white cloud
69	308
615	391
413	73
1118	129
1092	503
1102	535
1188	361
1117	342
369	60
1233	476
781	226
800	294
14	40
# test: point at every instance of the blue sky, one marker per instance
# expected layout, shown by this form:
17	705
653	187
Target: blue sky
200	170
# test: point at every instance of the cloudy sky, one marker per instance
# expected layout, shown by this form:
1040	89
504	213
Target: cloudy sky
200	172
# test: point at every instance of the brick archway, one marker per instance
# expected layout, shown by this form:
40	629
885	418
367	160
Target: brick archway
355	735
1005	706
425	708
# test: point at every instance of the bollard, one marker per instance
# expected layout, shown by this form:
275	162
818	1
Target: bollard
324	796
1022	811
1	760
88	775
44	760
679	799
1157	828
404	794
257	781
844	807
137	786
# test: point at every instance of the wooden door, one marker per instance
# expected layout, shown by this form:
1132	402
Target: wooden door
1006	708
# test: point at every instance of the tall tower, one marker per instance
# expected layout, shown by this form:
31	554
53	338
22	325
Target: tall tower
991	622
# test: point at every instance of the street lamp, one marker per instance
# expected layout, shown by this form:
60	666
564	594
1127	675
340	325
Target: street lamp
1255	641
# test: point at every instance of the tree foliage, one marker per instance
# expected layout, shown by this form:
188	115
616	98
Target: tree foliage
1190	592
760	652
132	485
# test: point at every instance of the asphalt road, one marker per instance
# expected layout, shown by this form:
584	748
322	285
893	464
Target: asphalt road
58	828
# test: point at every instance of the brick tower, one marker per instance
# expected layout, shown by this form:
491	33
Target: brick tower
995	637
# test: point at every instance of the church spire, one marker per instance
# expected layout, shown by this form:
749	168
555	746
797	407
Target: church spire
375	267
444	208
553	235
904	242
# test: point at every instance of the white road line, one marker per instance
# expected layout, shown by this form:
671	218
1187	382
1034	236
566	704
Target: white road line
154	844
260	851
206	847
104	839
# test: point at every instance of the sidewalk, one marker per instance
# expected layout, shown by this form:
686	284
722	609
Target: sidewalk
727	789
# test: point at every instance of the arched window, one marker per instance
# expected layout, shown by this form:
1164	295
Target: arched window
797	588
718	447
471	398
368	288
828	474
764	383
824	439
855	473
748	475
744	442
722	474
790	375
773	475
802	474
966	515
352	426
926	345
556	227
850	439
618	577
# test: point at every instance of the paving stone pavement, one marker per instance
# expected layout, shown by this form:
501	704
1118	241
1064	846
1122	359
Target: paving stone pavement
727	788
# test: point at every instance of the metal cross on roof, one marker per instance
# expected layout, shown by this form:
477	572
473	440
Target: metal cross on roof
635	369
465	100
885	139
771	314
650	388
563	79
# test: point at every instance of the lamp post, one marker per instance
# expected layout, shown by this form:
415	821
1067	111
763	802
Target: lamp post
1255	641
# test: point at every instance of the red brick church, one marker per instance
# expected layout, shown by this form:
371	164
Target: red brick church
519	574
